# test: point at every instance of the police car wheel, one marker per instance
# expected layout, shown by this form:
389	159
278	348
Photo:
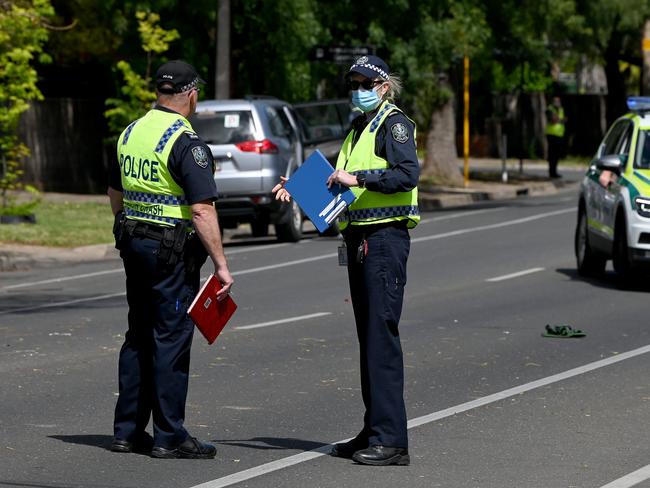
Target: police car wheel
589	262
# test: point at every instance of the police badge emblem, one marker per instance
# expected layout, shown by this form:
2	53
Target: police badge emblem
200	156
400	134
362	60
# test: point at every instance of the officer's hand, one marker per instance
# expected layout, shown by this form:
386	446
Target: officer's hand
225	278
280	192
341	177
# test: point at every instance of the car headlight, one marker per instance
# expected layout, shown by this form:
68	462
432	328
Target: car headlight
642	206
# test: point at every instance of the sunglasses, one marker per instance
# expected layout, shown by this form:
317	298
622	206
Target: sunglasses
366	84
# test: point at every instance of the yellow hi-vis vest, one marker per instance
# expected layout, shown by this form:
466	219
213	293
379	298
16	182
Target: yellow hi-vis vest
150	193
372	207
557	129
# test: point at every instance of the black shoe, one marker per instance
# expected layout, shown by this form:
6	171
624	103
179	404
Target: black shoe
192	448
383	456
143	444
347	449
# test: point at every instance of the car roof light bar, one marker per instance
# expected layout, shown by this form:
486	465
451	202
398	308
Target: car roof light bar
639	104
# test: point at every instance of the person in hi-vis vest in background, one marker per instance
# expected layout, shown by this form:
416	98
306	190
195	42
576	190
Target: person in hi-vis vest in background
555	131
378	162
162	193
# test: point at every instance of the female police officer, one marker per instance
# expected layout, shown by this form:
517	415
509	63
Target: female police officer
378	162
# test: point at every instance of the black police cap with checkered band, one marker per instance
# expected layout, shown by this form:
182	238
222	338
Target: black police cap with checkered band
176	77
370	66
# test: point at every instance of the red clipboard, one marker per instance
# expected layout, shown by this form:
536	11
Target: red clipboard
210	315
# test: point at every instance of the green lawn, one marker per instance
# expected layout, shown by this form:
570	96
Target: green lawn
63	224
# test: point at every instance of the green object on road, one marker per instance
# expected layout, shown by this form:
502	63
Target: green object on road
562	331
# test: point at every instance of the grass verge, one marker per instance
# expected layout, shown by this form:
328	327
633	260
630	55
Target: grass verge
63	224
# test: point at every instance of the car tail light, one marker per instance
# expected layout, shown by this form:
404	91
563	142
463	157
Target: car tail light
260	147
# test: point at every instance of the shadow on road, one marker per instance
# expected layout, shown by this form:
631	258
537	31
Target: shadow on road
273	443
609	280
43	484
94	440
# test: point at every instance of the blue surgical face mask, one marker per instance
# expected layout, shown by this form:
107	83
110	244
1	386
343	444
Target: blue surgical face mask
365	100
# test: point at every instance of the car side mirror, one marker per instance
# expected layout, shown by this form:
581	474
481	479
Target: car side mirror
611	162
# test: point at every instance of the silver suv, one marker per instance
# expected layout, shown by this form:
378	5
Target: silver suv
254	141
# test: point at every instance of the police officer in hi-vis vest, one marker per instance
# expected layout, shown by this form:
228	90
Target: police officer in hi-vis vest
555	128
378	161
162	193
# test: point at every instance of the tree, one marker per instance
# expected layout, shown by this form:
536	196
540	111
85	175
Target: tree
137	89
617	28
23	32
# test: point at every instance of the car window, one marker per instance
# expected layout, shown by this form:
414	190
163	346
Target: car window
224	127
278	122
611	144
324	121
642	160
623	146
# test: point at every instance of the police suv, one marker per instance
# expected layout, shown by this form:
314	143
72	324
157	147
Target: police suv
614	204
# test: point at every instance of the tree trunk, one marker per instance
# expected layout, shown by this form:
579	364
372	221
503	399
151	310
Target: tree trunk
222	76
441	161
645	53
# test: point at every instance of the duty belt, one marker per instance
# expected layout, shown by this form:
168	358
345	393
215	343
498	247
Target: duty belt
142	229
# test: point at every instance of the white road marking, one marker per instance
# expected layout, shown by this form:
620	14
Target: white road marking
121	270
514	275
323	256
631	479
498	225
63	278
461	214
283	321
449	412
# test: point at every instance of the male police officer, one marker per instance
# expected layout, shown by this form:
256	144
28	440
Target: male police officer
162	194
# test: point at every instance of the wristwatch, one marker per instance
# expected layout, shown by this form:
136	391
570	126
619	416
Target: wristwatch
361	180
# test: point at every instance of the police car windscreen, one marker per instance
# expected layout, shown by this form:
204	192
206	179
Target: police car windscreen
642	159
228	127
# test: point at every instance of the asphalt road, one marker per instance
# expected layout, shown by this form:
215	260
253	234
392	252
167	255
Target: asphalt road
492	403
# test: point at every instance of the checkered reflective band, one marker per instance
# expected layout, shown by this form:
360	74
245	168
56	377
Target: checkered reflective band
373	67
139	196
169	220
127	132
382	212
375	122
168	134
368	172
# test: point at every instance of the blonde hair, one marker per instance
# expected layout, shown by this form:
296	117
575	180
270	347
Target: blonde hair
394	87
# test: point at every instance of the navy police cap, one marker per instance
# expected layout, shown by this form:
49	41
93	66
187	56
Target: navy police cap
370	66
176	77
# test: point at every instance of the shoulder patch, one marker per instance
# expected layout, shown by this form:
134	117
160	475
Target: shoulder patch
400	132
200	156
191	135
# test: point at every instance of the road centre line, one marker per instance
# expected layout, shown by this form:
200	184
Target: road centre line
461	214
631	479
283	321
326	256
514	275
272	466
121	270
506	223
229	252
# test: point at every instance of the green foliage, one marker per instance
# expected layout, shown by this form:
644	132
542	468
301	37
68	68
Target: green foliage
137	90
22	35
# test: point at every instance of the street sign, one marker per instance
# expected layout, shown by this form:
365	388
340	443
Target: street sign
340	54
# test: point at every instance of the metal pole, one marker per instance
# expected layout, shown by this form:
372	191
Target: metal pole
466	119
504	154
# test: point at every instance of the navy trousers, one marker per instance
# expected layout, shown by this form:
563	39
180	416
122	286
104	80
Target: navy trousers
377	289
155	358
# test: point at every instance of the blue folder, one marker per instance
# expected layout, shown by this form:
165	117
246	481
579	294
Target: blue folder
308	186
